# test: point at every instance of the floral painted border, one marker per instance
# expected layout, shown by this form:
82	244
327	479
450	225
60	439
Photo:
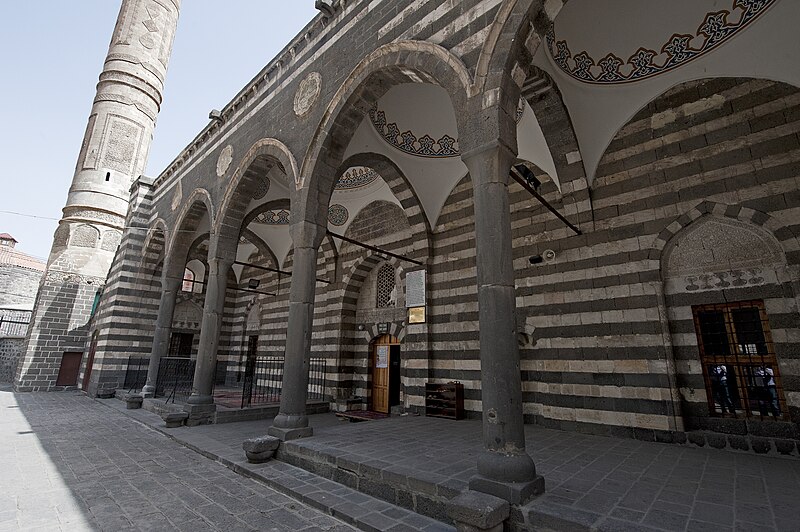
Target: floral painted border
356	177
273	217
408	142
645	63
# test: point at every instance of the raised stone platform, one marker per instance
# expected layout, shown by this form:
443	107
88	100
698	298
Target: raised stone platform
593	482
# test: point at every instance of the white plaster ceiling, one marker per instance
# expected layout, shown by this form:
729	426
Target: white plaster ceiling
766	48
426	110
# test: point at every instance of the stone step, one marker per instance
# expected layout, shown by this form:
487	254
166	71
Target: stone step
351	506
360	510
415	491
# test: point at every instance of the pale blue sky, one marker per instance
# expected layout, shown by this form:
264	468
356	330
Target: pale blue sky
51	54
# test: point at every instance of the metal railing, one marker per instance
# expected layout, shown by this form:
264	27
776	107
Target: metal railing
263	380
175	379
14	323
262	383
136	374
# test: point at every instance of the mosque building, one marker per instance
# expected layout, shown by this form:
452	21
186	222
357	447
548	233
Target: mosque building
581	215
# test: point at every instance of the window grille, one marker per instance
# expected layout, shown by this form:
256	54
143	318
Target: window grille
188	280
385	287
739	364
180	345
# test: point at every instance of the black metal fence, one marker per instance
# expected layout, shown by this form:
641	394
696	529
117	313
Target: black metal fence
136	374
263	380
175	378
14	323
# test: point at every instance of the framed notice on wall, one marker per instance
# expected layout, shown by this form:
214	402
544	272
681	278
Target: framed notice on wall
416	315
383	357
415	289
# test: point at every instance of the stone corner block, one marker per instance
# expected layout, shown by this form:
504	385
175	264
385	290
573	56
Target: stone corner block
260	449
290	434
106	394
133	401
518	493
473	511
175	419
200	414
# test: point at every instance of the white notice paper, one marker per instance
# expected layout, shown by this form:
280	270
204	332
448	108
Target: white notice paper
415	289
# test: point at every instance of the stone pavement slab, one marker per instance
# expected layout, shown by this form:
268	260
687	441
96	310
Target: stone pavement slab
593	482
69	463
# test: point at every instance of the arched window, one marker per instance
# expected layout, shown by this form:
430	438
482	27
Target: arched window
386	292
188	280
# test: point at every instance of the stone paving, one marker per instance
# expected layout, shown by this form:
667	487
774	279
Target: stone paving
77	464
593	482
70	463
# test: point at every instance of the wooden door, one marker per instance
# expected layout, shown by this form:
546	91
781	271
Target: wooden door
381	355
70	366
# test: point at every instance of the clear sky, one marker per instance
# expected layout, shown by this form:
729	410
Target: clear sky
51	54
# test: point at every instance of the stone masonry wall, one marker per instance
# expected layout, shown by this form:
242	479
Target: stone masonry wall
18	285
597	361
10	353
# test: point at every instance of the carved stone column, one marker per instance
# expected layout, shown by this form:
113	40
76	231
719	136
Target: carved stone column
201	403
505	470
291	421
161	337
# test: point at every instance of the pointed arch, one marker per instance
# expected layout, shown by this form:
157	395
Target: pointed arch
391	64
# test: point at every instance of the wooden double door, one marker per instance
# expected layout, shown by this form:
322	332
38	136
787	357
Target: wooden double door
385	373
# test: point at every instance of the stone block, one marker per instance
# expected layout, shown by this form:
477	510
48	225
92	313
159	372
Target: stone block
697	439
133	401
716	441
739	443
175	419
474	511
260	449
785	446
761	445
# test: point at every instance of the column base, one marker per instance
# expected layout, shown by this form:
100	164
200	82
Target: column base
514	492
473	511
200	400
290	434
148	391
202	414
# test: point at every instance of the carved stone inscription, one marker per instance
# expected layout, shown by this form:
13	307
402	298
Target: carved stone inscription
121	145
307	93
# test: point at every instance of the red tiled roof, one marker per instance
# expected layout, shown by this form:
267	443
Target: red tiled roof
6	236
12	257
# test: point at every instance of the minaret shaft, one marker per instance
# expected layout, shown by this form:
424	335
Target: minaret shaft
113	154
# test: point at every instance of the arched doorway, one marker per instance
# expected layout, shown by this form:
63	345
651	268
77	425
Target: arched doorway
385	390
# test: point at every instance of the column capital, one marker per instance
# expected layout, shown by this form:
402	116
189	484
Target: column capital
220	265
306	234
490	162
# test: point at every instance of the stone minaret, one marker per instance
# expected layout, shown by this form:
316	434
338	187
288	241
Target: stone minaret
113	154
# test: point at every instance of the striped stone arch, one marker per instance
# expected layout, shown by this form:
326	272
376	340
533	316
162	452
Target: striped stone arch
390	65
198	203
401	188
396	329
330	256
155	242
786	238
354	279
254	166
542	94
504	64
